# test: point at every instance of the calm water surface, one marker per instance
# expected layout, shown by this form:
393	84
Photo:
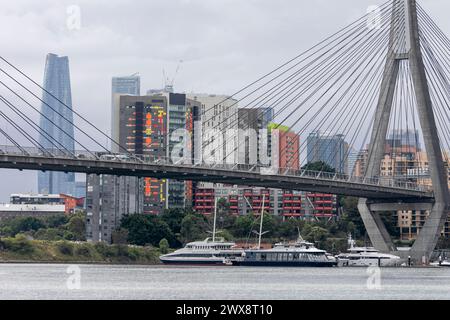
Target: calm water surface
42	281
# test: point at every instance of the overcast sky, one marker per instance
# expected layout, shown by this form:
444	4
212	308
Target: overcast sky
224	44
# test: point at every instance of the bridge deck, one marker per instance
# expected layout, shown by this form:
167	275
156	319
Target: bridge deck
302	180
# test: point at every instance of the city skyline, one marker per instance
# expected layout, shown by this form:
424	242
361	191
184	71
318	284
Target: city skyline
225	150
92	70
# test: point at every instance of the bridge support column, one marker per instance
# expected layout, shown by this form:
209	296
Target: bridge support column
372	221
440	209
379	236
430	232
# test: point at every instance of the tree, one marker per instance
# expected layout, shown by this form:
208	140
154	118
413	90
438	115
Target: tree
225	220
193	227
288	229
390	223
120	236
164	246
351	221
50	234
318	166
317	234
77	227
26	224
270	224
146	229
174	217
242	226
56	221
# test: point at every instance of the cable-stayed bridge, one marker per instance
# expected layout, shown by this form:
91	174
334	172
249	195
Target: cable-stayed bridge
122	165
368	86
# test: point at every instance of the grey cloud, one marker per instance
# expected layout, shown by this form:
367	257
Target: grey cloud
225	44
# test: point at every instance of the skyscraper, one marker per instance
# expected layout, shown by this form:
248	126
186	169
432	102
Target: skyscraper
155	127
405	137
130	85
219	115
127	85
57	83
254	121
285	148
329	148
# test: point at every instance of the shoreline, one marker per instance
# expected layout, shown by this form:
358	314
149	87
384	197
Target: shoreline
28	262
2	262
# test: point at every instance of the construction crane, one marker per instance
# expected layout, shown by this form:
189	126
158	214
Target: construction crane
168	84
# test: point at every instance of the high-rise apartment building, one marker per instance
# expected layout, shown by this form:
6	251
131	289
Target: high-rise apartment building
57	122
144	132
219	114
130	85
360	167
285	148
159	127
405	137
254	136
329	148
109	198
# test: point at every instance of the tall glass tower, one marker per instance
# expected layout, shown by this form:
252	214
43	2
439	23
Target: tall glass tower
130	85
329	148
57	82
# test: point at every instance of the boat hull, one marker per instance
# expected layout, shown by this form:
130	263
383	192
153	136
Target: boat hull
369	263
193	262
296	264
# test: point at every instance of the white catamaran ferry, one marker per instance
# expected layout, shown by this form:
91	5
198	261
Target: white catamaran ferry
212	251
366	257
298	254
207	252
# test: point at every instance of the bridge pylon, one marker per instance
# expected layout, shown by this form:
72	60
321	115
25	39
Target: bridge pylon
440	207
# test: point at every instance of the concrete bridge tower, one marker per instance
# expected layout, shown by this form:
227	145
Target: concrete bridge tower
405	11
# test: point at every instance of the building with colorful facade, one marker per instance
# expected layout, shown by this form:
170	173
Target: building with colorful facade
158	127
284	203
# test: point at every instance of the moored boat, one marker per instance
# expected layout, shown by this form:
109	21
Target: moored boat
366	257
298	254
211	251
207	252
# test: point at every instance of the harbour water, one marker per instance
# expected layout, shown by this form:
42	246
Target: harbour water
49	281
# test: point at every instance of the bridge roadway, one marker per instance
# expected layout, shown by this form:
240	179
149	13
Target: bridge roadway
377	191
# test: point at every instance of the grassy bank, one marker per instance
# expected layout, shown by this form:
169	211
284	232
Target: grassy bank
20	249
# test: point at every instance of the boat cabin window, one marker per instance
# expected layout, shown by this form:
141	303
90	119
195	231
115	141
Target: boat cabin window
261	256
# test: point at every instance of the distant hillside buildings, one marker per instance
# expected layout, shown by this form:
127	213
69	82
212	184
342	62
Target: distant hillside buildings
40	205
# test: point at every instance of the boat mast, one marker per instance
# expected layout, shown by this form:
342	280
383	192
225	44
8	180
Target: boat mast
215	218
261	223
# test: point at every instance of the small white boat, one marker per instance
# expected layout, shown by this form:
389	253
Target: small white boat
441	262
366	257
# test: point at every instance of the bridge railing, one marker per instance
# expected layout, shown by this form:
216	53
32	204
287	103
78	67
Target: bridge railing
163	160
